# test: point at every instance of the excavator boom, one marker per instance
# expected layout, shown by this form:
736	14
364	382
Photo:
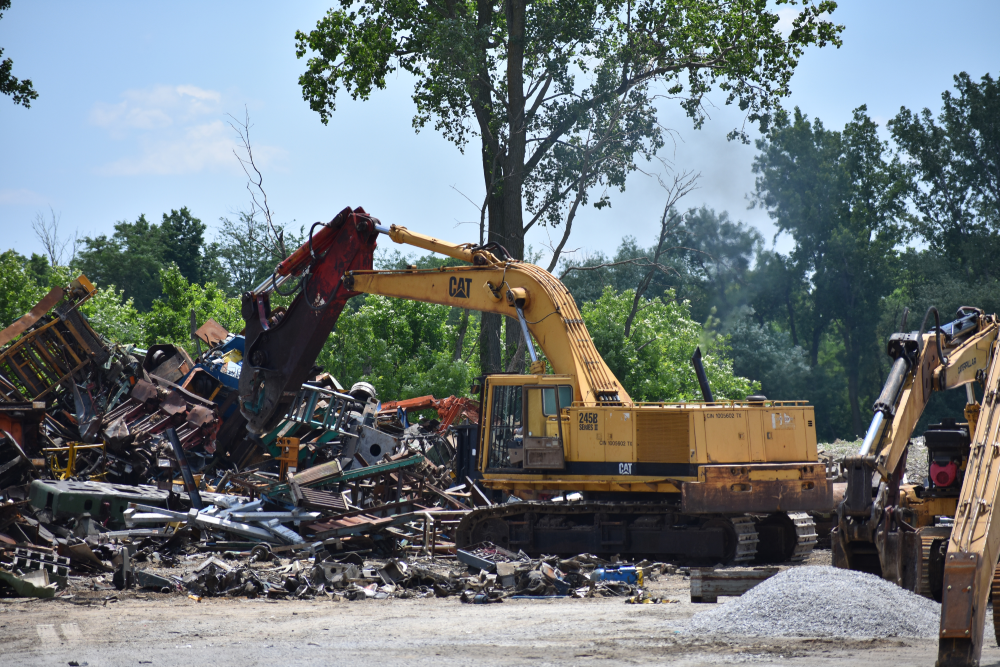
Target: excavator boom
974	545
549	310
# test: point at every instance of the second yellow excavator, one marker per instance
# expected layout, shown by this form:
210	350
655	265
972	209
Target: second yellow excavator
718	481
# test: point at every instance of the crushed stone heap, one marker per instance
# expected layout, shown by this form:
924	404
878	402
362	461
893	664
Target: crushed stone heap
823	602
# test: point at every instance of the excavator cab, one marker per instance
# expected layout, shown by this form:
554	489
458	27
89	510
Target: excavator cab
526	423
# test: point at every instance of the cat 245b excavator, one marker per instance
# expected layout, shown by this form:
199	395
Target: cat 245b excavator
939	539
699	482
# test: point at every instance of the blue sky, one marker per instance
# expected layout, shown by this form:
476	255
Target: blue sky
133	101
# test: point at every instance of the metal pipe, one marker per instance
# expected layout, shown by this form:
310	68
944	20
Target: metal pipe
699	369
893	385
263	288
189	484
404	236
526	334
873	432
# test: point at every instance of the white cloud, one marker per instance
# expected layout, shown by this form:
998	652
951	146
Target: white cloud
200	147
21	197
156	107
173	130
785	18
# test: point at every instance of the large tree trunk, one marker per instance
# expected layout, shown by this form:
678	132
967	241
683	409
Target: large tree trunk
505	201
490	344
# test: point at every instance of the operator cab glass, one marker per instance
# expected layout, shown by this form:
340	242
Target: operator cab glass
505	431
549	399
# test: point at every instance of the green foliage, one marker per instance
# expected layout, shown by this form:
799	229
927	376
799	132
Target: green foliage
955	162
130	259
22	91
19	291
403	348
183	238
654	362
115	317
707	261
560	94
133	256
842	197
247	251
169	320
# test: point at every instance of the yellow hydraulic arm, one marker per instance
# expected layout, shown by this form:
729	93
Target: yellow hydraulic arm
974	545
931	373
537	299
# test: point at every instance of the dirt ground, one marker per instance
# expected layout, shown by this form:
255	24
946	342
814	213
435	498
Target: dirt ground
156	629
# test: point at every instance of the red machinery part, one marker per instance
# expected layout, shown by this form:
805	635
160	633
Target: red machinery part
943	475
449	409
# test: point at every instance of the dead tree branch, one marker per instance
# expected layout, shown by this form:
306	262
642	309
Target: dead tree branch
49	236
255	183
683	184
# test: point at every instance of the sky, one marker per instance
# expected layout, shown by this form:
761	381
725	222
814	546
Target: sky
133	117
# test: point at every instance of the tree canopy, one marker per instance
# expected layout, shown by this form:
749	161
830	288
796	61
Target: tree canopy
22	91
558	94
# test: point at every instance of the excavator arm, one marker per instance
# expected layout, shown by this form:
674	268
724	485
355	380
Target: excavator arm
537	299
965	345
336	264
974	545
872	533
282	344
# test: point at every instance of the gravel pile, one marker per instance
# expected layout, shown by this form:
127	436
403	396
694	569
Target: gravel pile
823	602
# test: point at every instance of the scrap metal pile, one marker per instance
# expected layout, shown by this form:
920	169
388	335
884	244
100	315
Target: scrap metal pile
112	456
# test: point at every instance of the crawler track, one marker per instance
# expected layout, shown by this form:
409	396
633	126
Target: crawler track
655	530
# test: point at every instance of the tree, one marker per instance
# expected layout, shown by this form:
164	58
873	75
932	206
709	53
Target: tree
115	317
18	290
130	259
247	252
22	91
134	255
52	240
530	79
403	348
183	237
842	198
654	363
169	319
955	161
718	256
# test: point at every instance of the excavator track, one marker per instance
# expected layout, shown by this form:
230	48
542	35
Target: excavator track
805	535
785	537
746	545
657	530
995	599
924	584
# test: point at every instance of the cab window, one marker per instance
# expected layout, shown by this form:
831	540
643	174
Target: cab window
549	399
505	431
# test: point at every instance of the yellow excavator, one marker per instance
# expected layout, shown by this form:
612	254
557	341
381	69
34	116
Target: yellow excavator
719	481
938	539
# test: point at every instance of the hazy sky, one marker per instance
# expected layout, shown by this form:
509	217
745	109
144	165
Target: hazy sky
133	100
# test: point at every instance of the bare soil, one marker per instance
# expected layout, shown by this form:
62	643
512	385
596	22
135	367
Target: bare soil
129	628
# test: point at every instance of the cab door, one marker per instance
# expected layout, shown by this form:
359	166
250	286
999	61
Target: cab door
543	441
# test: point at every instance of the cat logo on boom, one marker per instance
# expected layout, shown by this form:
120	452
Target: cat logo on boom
459	287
